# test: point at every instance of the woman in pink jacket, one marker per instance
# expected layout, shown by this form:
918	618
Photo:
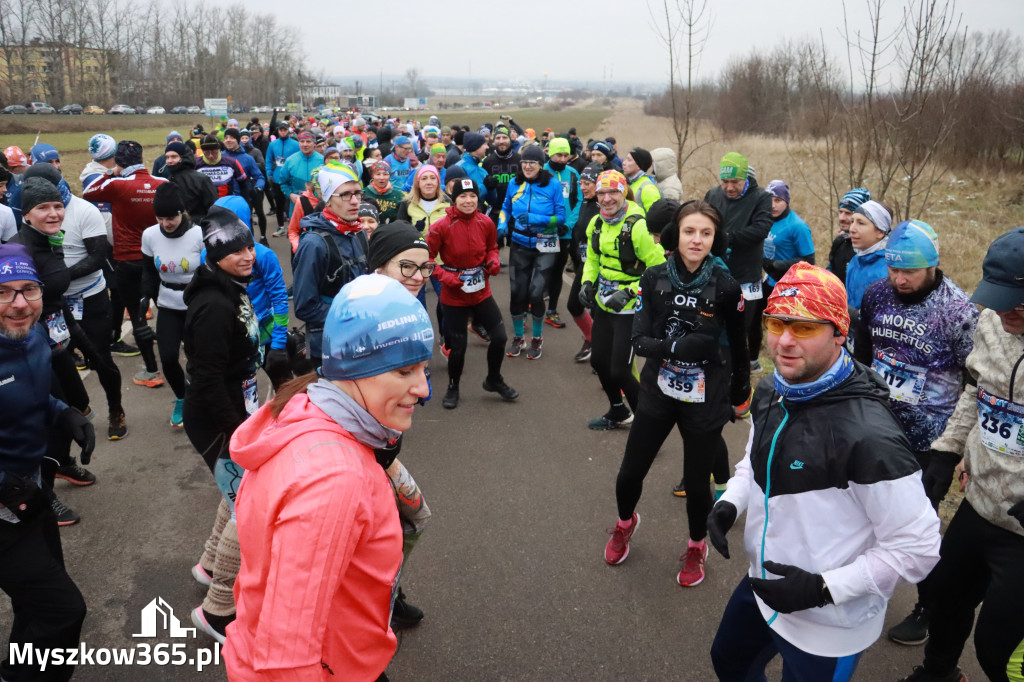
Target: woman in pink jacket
320	537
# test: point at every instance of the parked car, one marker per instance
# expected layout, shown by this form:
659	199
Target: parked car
40	108
93	109
71	109
194	110
140	110
156	110
14	109
121	109
179	110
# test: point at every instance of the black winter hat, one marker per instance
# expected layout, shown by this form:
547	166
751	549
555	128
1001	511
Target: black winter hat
591	172
38	190
390	240
642	157
235	133
459	137
168	202
660	216
453	173
224	233
473	141
178	148
210	142
129	153
463	185
533	153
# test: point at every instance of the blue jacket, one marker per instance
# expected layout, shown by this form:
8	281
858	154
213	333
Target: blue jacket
535	209
789	238
863	271
29	412
310	267
569	180
278	152
253	174
266	289
296	172
474	171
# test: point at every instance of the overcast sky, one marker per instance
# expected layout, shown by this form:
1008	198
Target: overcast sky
579	40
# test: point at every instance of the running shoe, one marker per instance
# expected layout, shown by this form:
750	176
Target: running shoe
125	350
263	240
743	409
552	318
202	576
404	614
66	516
80	363
177	414
507	393
610	420
515	347
680	490
922	675
76	474
692	572
280	232
117	427
214	626
617	549
451	398
535	348
445	350
480	332
148	379
584	353
913	630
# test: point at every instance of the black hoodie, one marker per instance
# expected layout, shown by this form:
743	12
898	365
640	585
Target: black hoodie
197	189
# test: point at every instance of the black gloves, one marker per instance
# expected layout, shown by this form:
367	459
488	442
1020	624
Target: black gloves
587	292
1017	512
143	308
619	300
420	224
691	347
720	520
562	230
491	182
938	474
798	590
80	429
22	497
278	366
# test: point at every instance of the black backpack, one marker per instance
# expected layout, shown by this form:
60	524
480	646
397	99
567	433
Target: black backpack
630	262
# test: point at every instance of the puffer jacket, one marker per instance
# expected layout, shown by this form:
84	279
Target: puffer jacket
418	216
996	479
664	171
464	242
531	209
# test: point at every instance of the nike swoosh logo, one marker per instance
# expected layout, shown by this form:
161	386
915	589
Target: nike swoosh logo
796	465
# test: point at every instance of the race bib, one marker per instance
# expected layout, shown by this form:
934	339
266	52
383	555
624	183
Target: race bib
752	291
606	287
57	327
565	190
473	280
278	161
583	253
252	400
547	243
685	384
906	382
77	305
1000	421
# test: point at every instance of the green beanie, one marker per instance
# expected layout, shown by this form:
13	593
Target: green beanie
734	165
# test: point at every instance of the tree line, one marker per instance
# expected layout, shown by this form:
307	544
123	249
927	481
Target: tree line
152	53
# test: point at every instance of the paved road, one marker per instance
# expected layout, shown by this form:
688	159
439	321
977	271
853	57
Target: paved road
510	570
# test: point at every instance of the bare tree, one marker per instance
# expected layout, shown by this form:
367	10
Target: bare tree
412	77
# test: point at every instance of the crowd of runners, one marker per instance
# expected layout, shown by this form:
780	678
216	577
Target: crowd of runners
886	383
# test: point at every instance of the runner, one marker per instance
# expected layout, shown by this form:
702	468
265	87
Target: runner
636	167
869	232
578	253
841	252
982	556
171	253
569	180
619	249
534	215
916	329
314	594
466	241
687	304
380	189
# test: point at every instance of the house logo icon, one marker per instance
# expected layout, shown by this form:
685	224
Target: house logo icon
158	615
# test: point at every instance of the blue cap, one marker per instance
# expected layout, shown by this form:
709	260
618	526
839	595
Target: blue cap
16	263
912	245
174	135
44	153
374	326
402	139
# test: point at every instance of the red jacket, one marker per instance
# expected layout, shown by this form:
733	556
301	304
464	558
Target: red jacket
131	208
463	242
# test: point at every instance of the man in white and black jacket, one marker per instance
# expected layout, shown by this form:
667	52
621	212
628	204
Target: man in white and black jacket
836	513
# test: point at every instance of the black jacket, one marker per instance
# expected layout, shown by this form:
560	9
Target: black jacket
222	344
704	326
503	168
840	255
50	266
196	188
748	220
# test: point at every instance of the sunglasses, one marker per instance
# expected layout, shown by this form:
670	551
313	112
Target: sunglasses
801	329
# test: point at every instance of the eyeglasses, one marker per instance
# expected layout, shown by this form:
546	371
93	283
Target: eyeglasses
33	292
529	163
348	196
801	329
409	268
